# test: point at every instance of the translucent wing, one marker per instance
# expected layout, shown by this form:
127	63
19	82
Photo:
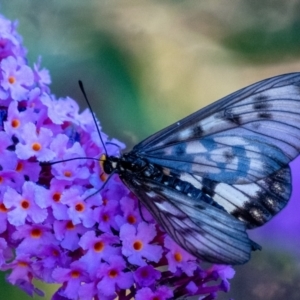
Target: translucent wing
239	139
203	230
253	203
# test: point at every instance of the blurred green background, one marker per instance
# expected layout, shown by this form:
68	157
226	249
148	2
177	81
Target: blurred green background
146	64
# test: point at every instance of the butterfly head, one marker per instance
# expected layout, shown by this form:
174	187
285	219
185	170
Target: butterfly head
109	163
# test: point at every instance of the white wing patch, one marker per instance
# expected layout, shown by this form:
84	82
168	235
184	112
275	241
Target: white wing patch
229	197
194	180
195	147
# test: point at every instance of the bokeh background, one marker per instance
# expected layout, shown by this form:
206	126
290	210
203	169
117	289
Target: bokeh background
146	64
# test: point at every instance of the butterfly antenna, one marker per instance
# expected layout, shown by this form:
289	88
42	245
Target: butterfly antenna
102	187
93	115
68	159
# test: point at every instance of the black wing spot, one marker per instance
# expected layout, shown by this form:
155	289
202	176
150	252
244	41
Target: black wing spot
264	115
180	149
260	98
261	105
229	157
208	187
236	119
259	214
197	131
271	203
253	214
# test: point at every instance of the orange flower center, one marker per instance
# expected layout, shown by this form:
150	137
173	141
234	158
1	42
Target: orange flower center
70	225
178	256
98	246
55	252
36	233
22	264
15	123
3	208
137	245
105	218
25	204
144	273
79	207
56	197
36	146
11	79
113	273
19	167
131	219
75	274
68	173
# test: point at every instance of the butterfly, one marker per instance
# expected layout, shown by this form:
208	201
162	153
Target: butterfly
224	169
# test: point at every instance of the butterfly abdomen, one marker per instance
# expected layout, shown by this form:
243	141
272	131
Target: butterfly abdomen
130	165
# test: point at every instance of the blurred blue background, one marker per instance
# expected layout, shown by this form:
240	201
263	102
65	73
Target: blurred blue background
146	64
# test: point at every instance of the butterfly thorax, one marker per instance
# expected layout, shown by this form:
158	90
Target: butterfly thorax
130	163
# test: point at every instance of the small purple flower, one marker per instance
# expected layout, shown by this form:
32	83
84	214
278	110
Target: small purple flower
97	249
35	143
10	41
131	214
69	170
136	244
79	210
21	275
16	119
68	234
52	198
16	78
112	276
22	207
72	278
179	258
26	169
146	276
33	238
105	216
224	273
50	256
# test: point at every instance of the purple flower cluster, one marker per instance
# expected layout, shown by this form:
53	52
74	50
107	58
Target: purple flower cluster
54	225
